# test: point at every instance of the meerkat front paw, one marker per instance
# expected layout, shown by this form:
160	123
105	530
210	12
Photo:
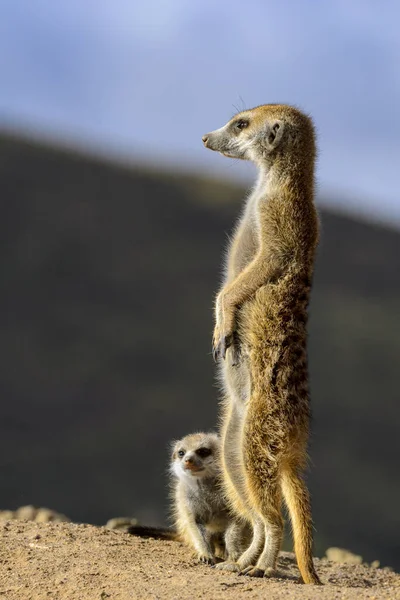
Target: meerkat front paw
225	325
221	342
206	559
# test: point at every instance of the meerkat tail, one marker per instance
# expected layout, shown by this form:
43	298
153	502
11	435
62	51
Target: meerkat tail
158	533
297	500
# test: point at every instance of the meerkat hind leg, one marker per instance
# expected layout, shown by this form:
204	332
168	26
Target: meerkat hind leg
250	556
273	533
238	386
234	540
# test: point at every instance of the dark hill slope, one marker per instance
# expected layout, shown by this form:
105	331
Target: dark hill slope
108	275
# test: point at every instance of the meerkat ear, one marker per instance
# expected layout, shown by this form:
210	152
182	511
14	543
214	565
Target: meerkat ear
172	449
274	134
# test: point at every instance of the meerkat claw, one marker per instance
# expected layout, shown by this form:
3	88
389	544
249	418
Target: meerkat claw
215	353
219	350
207	560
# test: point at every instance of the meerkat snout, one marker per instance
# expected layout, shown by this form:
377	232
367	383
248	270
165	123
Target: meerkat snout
213	141
190	464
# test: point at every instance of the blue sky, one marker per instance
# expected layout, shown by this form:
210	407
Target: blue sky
149	77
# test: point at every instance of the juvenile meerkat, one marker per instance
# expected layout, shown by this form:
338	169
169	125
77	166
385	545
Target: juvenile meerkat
260	332
200	512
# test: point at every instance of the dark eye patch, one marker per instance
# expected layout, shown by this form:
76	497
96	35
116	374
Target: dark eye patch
203	452
241	124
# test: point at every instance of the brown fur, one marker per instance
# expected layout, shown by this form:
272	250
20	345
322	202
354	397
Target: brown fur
261	321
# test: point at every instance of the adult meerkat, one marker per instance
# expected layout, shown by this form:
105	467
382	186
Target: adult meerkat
260	332
200	512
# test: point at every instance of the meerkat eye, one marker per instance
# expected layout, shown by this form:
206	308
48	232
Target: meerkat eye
203	452
181	453
241	124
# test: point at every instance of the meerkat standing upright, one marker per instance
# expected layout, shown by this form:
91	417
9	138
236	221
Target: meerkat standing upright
260	332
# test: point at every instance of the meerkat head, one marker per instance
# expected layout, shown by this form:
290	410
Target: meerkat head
262	133
196	456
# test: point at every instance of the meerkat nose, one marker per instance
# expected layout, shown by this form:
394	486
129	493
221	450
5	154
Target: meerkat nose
205	139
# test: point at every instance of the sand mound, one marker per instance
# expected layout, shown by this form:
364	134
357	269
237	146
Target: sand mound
56	561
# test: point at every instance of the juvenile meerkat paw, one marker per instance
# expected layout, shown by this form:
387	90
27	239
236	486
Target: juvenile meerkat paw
228	565
206	559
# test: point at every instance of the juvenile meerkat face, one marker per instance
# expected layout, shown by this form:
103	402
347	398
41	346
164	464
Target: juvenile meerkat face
257	133
196	456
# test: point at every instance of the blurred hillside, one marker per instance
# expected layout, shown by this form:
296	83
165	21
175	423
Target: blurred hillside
108	275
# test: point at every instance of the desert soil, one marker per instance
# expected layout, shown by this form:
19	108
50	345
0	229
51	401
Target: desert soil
57	561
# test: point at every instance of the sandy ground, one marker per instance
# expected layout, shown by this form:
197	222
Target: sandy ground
54	561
